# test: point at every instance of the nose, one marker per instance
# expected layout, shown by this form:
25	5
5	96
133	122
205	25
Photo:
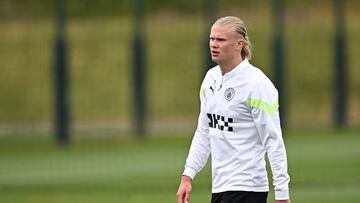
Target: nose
213	43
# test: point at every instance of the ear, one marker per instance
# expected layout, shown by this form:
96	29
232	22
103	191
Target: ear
240	44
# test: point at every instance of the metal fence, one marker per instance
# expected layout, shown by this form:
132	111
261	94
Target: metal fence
99	37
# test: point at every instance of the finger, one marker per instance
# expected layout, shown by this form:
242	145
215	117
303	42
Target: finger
180	198
187	197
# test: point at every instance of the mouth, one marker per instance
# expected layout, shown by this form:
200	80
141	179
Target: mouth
215	53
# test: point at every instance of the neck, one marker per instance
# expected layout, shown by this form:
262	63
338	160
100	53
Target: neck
227	67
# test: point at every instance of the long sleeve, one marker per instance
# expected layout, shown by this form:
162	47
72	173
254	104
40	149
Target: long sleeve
200	146
264	107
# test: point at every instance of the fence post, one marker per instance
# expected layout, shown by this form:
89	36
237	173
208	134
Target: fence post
139	69
209	20
278	56
61	76
340	64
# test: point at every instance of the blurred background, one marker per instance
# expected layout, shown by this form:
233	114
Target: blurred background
99	99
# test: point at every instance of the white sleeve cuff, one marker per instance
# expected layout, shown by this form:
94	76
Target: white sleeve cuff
189	172
281	194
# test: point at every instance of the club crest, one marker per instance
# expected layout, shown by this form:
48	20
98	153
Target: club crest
229	93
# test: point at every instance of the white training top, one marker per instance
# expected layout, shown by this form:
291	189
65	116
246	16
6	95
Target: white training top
238	123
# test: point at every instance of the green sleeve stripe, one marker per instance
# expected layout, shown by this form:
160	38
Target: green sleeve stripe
263	105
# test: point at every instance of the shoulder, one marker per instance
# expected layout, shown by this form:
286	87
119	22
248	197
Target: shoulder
258	78
208	80
213	71
211	74
260	85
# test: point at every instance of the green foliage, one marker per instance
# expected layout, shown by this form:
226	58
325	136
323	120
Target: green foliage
100	62
23	9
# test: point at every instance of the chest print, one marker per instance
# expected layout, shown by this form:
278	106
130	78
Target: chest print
229	93
220	122
213	87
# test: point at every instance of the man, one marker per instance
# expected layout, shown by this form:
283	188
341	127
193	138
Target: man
238	123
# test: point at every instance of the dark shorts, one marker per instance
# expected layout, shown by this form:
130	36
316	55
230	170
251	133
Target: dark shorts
239	197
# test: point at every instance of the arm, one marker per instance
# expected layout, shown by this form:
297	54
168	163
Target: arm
264	107
198	154
197	158
200	149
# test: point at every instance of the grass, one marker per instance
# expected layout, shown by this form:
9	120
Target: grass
323	166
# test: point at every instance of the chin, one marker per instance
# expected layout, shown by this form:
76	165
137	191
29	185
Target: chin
216	60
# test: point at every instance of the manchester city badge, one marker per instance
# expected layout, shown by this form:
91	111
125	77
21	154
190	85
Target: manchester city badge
229	93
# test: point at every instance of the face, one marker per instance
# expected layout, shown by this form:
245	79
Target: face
225	45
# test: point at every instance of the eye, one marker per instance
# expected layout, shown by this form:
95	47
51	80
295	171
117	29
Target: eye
217	39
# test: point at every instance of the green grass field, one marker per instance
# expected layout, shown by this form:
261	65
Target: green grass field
324	168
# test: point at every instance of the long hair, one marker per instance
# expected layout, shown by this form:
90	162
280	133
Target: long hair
239	27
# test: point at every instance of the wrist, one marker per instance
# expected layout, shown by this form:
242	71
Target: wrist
190	172
185	178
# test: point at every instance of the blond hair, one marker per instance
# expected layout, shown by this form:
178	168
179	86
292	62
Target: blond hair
239	27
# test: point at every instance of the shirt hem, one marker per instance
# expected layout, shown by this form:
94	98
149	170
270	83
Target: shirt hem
241	188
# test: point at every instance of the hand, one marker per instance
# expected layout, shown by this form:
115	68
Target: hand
283	201
184	191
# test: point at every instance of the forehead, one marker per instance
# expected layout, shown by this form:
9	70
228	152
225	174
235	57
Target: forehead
221	30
